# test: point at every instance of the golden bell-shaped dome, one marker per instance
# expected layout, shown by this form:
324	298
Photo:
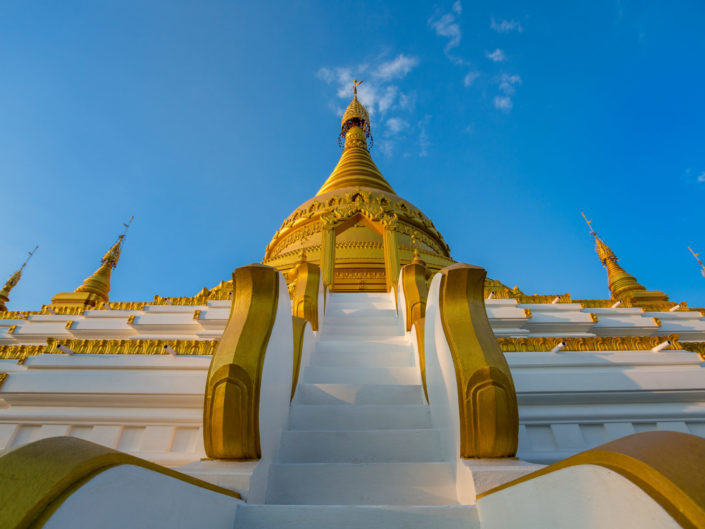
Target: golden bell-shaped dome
356	227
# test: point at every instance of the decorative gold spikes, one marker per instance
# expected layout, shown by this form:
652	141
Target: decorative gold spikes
489	417
96	288
622	285
12	282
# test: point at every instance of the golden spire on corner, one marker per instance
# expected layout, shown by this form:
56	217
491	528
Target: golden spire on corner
698	260
12	282
95	288
355	167
622	285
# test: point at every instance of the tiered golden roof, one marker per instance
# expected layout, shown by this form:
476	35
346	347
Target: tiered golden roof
356	217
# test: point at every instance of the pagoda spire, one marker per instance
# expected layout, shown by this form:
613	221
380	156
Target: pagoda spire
355	167
12	282
95	289
623	286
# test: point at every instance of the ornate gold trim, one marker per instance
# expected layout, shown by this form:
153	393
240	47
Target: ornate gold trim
665	465
112	347
231	408
305	278
3	377
299	326
489	418
600	343
413	278
37	478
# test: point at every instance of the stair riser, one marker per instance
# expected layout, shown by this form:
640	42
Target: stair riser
382	446
361	375
362	359
358	417
358	394
356	517
362	484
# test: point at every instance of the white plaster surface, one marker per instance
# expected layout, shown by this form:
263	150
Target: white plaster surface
127	496
275	393
580	497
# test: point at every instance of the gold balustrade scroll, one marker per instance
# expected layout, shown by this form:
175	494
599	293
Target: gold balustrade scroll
489	418
231	408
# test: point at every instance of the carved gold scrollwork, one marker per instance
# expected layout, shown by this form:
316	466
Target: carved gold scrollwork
413	278
489	419
305	280
231	408
299	326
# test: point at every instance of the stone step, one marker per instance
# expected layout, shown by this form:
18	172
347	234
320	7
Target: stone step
362	484
361	343
358	417
344	329
381	446
361	311
359	394
405	376
391	320
363	358
356	517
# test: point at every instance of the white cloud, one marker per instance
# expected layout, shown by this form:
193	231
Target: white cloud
507	83
396	125
503	103
446	26
470	78
396	68
496	55
506	26
701	177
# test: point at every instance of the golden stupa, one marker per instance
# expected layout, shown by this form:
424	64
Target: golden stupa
356	228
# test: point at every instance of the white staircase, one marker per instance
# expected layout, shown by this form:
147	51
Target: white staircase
360	451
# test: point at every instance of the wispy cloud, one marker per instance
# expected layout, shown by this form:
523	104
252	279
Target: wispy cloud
397	68
424	142
503	103
470	78
396	125
507	83
701	177
506	26
496	55
447	26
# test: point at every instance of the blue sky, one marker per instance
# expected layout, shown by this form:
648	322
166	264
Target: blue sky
211	121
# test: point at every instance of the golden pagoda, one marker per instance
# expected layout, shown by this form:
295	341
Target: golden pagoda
95	289
623	286
12	282
356	228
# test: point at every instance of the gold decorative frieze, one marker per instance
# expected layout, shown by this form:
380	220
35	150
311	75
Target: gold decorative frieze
132	347
489	417
124	305
601	303
16	314
64	310
695	347
599	343
542	298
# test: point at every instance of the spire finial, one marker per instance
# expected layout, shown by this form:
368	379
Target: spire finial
12	282
698	260
622	285
356	83
589	223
